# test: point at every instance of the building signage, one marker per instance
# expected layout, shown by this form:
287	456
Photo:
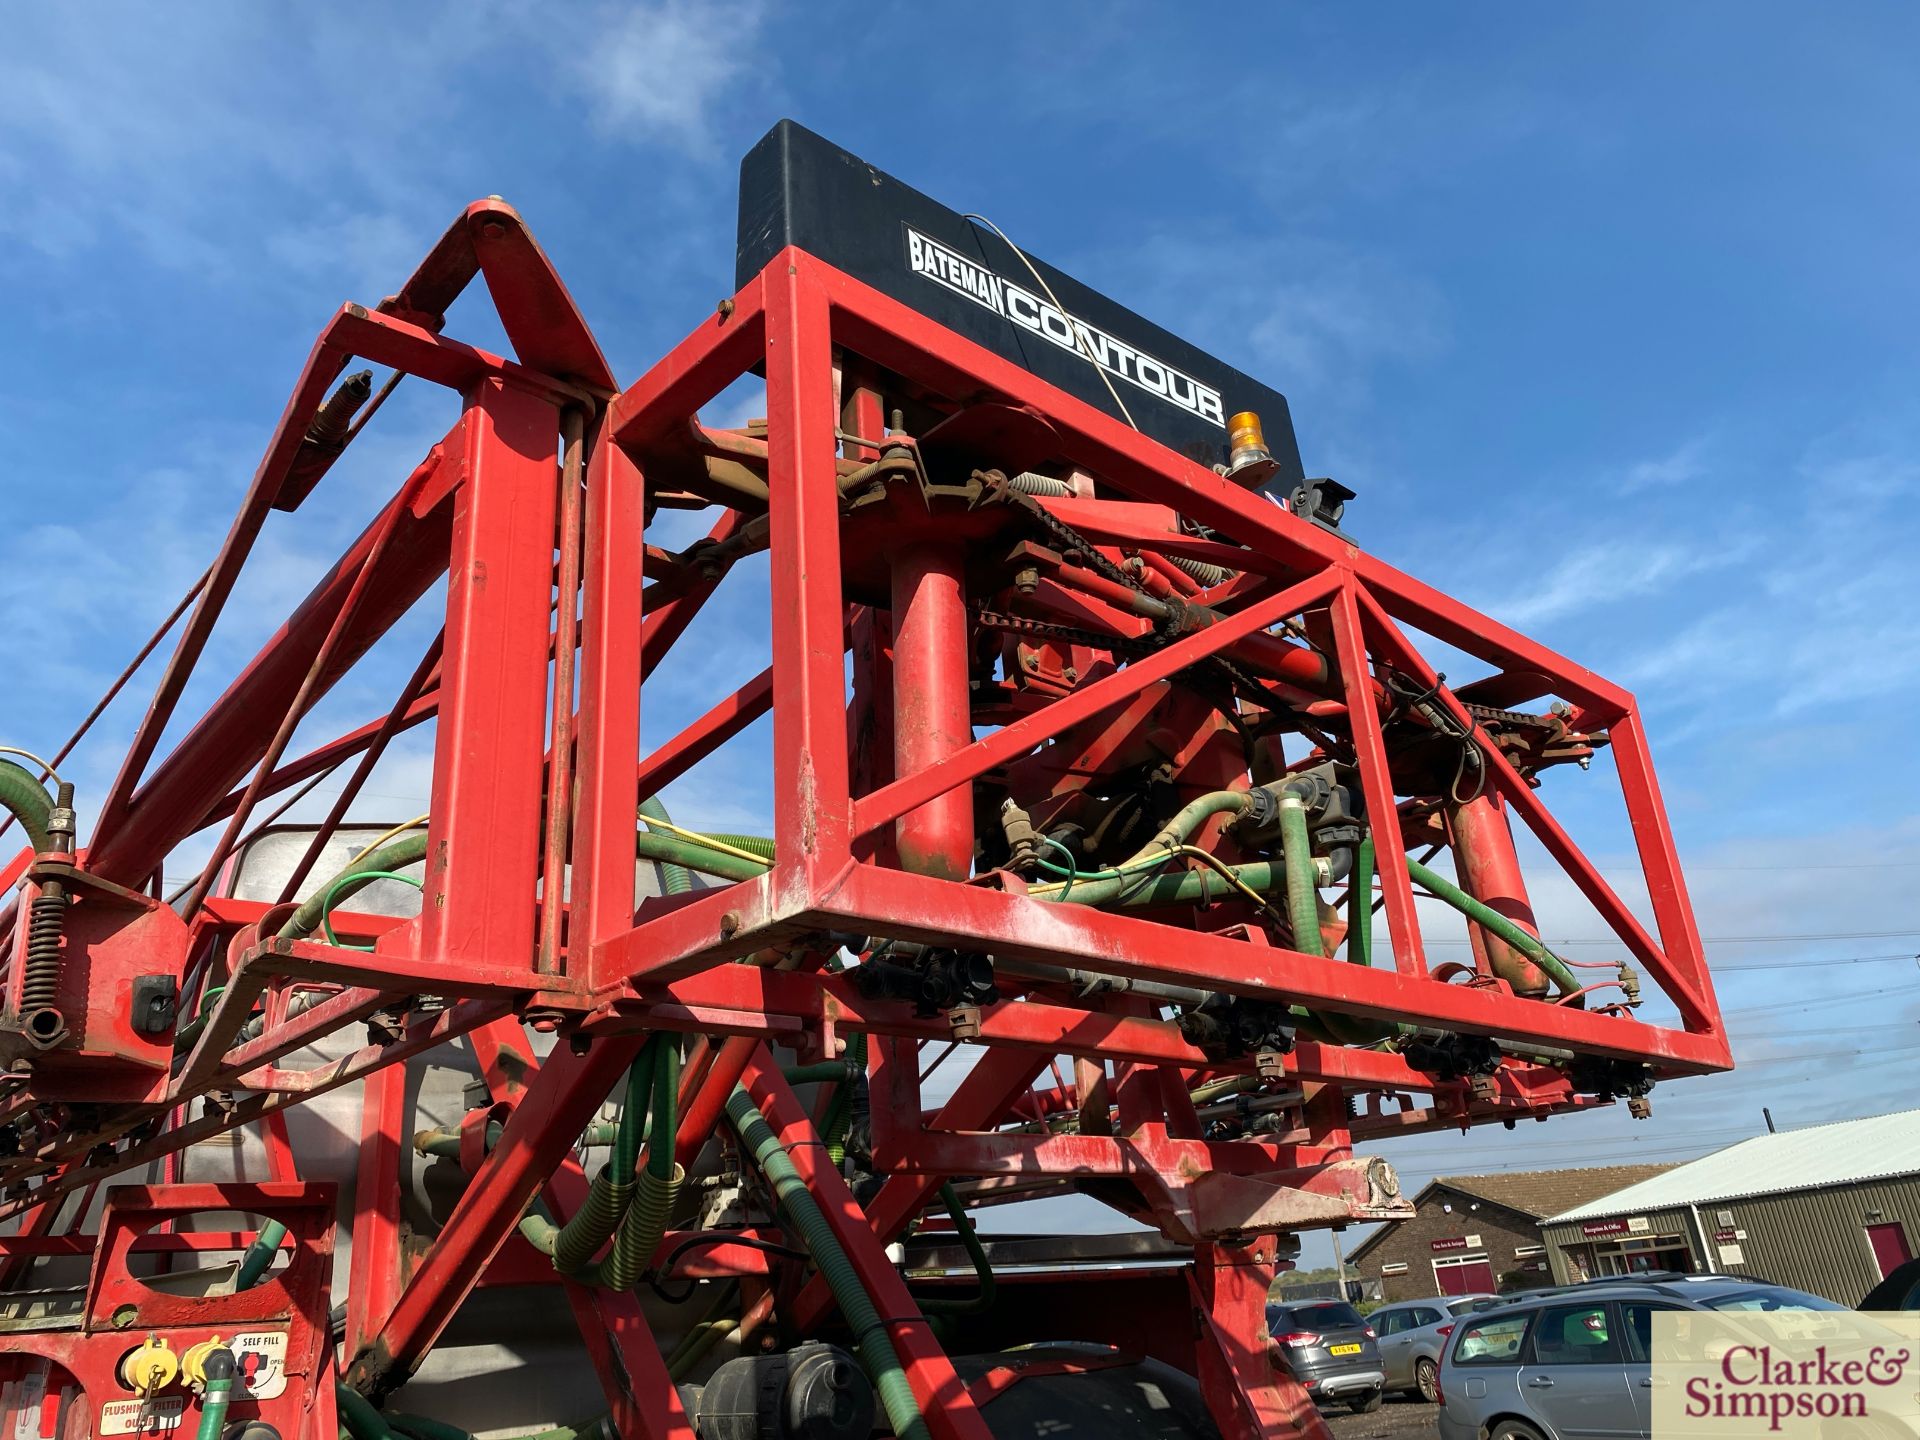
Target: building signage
1604	1227
1725	1235
1451	1242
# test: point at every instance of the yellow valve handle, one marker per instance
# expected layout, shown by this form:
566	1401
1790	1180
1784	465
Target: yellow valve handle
152	1367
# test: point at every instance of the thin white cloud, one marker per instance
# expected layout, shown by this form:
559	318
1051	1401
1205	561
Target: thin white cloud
1607	572
1686	463
661	72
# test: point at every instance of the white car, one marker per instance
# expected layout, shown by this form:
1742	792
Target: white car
1412	1335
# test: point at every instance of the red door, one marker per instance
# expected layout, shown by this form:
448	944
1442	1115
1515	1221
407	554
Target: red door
1890	1248
1465	1277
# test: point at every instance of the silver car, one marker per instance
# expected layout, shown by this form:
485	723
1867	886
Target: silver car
1412	1335
1576	1365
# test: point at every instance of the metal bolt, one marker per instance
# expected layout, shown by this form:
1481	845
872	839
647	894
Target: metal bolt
724	309
729	924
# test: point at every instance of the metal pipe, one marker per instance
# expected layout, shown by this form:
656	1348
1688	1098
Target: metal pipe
1086	982
566	624
370	757
932	714
227	742
120	682
1489	871
701	1115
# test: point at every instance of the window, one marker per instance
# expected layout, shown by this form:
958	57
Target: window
1392	1322
1575	1335
1528	1252
1425	1316
1491	1342
1327	1315
1769	1298
1637	1322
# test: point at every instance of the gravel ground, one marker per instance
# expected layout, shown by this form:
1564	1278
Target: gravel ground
1398	1419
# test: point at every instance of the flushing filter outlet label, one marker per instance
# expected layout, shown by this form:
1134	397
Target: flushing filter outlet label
160	1415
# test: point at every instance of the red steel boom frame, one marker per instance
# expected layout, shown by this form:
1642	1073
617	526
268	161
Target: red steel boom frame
888	718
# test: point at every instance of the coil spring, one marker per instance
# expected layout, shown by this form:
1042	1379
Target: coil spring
40	987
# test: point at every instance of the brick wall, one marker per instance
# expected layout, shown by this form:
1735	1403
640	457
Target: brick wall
1411	1243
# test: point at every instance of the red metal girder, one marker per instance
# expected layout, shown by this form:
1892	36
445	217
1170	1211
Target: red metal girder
810	782
424	675
668	762
324	362
669	615
900	339
949	1411
540	317
640	1395
914	907
1016	739
324	757
404	346
448	1025
608	724
768	1002
483	841
312	683
536	1139
983	1098
942	1152
725	347
1660	861
229	739
1376	780
1249	1396
1697	1008
376	1267
396	970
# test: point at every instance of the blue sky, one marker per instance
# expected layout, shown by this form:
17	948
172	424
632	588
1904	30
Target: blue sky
1606	313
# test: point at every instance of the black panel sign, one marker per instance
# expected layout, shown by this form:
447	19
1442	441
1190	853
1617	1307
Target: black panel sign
798	189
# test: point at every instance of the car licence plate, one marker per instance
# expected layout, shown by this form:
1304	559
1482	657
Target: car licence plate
1343	1349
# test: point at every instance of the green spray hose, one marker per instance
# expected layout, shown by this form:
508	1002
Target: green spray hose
672	849
188	1033
840	1112
674	879
645	1221
258	1257
982	1299
1187	819
600	1214
803	1213
1360	906
219	1367
827	1072
761	845
1303	893
360	872
702	1338
357	1415
29	802
1488	918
